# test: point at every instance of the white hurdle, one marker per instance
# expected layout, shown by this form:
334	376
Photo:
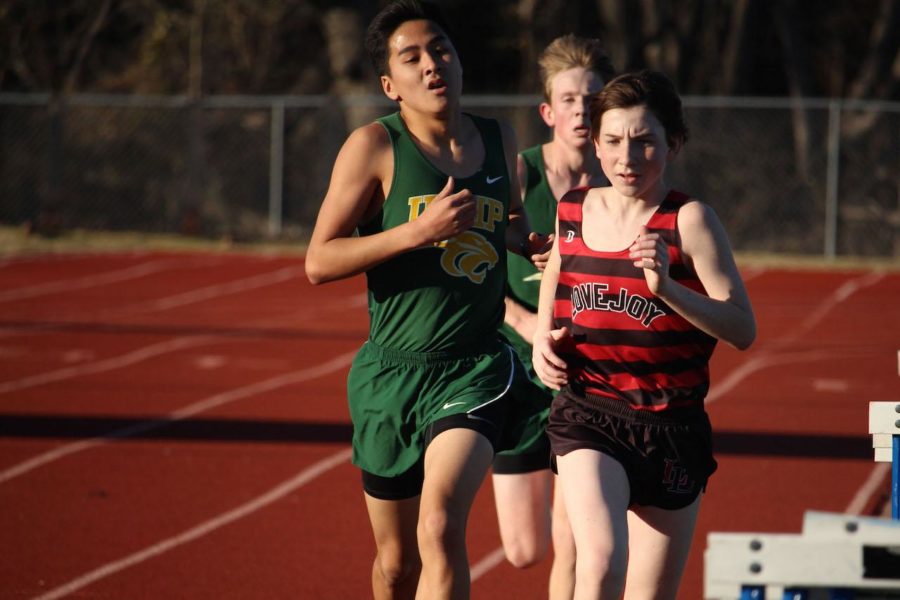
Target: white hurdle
884	425
834	557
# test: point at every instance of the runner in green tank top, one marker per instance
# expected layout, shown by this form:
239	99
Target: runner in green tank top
431	193
459	282
572	70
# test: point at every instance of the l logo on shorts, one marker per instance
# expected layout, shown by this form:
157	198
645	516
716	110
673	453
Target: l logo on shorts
676	478
451	405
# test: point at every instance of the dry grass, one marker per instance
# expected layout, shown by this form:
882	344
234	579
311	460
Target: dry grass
17	240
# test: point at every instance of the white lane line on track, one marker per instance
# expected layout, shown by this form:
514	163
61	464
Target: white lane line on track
762	360
772	355
753	273
15	261
274	494
873	484
216	291
487	563
86	281
108	364
180	414
839	295
211	292
146	352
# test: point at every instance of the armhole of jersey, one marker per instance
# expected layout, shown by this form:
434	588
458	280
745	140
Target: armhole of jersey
498	133
677	201
532	171
569	200
579	227
393	136
492	139
536	169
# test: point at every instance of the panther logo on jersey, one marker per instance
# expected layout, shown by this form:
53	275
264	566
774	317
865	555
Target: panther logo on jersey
469	254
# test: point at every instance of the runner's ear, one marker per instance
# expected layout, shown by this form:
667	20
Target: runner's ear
547	114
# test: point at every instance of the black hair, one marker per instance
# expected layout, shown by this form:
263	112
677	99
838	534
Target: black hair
389	19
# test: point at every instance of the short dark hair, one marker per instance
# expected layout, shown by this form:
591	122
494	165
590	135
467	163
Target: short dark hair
389	19
650	88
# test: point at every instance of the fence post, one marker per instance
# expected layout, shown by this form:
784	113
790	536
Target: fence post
276	168
832	178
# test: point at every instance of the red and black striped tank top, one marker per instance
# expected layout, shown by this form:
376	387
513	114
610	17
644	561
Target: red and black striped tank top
628	344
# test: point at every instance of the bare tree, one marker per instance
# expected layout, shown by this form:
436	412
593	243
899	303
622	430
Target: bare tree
54	63
877	78
737	46
799	75
621	19
344	33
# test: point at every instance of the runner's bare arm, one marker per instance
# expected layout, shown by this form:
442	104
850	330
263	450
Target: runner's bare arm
521	176
519	236
550	368
726	313
518	317
360	179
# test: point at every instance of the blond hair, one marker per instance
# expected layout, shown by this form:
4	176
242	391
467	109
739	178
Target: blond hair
570	51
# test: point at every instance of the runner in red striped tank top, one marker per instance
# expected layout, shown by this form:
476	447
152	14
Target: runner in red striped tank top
640	285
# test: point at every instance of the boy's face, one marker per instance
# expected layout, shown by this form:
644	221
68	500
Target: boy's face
423	69
632	149
567	111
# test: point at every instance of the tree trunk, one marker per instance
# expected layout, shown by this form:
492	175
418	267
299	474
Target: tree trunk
798	70
877	77
734	53
622	19
344	35
50	216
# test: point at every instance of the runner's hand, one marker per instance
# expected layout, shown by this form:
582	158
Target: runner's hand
448	215
537	249
548	365
650	252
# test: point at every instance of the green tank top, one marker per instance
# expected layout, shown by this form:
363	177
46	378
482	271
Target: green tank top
447	297
524	283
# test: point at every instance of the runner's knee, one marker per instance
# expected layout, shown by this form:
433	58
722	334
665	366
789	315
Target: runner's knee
563	543
606	569
395	566
525	551
523	559
440	529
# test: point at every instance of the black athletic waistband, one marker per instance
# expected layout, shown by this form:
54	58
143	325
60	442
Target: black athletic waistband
620	408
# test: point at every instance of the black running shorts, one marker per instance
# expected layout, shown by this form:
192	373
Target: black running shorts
667	455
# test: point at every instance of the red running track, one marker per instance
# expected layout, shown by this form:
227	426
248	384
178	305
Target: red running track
174	426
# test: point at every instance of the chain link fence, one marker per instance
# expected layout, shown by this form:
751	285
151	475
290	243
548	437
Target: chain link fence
810	177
